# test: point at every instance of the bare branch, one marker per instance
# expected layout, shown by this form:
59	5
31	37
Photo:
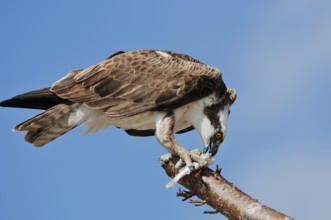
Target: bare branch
185	194
220	194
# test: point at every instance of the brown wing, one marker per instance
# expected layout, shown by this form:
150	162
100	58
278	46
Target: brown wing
129	83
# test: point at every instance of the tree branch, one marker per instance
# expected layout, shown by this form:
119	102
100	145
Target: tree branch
222	195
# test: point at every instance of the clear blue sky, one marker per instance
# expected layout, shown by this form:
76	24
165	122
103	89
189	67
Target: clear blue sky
276	54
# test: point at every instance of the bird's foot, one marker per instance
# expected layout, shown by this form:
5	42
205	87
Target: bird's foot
199	161
194	159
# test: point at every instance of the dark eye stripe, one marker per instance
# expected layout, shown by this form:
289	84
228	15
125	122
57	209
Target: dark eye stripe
213	117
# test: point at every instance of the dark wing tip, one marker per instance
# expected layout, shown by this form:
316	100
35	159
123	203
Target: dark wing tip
3	103
38	99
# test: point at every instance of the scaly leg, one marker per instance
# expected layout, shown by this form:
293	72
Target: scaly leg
165	124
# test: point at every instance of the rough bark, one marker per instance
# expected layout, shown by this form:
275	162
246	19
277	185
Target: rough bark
221	195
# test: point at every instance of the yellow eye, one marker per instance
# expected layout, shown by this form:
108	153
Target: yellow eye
218	135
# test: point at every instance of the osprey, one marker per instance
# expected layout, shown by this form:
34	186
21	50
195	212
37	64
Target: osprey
144	92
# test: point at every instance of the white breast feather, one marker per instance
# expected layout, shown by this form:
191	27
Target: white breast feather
224	115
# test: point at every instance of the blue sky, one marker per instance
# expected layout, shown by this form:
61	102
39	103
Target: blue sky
276	54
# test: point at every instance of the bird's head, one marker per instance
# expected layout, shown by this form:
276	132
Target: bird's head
215	121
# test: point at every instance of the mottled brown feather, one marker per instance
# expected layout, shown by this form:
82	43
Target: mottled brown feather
130	83
48	125
102	74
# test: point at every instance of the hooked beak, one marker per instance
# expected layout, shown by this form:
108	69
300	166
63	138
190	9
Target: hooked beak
212	148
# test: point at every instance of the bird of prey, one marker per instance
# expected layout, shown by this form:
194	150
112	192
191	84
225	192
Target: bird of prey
144	92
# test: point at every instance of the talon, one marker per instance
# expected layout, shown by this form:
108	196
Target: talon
199	159
179	164
194	160
165	158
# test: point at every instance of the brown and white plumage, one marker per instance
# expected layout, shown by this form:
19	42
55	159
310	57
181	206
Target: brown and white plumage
130	90
134	82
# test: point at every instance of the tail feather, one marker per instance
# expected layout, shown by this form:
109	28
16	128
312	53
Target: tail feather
38	99
61	115
49	125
